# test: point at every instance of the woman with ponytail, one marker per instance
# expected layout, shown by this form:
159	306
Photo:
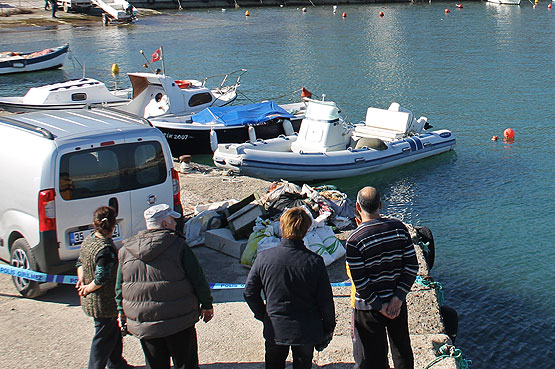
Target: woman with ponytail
96	272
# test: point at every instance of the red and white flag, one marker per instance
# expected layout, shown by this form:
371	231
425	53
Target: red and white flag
157	55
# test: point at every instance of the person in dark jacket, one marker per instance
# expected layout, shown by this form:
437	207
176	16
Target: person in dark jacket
299	310
96	272
161	292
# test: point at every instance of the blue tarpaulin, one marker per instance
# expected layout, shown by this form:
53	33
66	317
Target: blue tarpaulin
241	115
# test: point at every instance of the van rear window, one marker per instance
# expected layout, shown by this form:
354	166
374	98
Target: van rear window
111	169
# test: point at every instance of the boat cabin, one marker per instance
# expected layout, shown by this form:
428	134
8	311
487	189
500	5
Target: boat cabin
70	92
180	96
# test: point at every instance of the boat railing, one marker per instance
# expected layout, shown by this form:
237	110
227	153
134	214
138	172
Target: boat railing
238	73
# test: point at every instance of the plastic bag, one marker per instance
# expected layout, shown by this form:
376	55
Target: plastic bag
210	216
264	236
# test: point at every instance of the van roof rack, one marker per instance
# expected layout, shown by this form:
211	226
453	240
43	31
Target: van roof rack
31	127
121	112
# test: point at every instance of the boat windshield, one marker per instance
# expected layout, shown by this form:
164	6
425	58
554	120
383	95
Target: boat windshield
322	110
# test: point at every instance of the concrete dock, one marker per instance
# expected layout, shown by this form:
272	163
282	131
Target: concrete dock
53	332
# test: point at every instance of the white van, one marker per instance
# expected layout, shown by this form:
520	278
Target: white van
58	167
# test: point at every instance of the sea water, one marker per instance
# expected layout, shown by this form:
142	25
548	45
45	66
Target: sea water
475	71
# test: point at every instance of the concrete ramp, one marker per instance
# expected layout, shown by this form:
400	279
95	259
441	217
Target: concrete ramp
116	10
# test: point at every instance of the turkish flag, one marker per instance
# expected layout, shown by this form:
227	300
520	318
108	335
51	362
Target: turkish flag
157	55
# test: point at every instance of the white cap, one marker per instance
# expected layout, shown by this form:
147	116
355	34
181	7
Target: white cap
157	213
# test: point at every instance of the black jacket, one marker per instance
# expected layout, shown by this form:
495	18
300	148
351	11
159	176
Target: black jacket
299	305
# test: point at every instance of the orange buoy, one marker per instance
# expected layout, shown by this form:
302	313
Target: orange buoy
509	134
447	11
494	138
247	13
459	6
548	6
380	14
344	15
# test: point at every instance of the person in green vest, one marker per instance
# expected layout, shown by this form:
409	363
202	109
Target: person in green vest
96	272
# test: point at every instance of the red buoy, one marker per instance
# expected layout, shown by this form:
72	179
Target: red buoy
509	134
459	6
494	138
380	14
548	6
447	11
344	15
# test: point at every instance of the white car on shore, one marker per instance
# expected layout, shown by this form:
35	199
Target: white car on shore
58	167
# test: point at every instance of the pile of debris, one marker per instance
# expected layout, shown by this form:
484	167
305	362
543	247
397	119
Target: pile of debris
242	228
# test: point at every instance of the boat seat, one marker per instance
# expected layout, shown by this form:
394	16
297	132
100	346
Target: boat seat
387	125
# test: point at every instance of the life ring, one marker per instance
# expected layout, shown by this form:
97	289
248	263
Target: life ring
425	236
183	84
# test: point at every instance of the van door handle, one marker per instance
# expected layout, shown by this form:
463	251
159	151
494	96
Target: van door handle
113	202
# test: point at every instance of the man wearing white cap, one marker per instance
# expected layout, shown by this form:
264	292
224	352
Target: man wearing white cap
162	292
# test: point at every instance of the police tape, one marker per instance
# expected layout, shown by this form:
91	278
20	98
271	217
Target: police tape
37	276
72	279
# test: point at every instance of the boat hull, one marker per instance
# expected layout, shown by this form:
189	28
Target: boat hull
14	107
194	139
48	61
258	161
505	2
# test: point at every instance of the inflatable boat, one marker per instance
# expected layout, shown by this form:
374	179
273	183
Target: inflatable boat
328	147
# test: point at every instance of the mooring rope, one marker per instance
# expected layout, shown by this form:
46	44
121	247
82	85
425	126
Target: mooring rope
428	282
446	351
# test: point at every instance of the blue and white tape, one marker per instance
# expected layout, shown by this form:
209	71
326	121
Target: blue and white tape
72	279
37	276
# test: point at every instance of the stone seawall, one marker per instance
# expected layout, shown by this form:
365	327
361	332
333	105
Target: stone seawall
174	4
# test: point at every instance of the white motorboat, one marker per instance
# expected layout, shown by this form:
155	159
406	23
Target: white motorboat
327	147
14	62
72	94
506	2
182	97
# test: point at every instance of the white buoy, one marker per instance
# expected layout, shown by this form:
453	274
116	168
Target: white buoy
252	134
303	10
223	10
213	140
334	9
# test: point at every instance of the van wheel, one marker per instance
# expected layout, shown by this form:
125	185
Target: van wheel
22	257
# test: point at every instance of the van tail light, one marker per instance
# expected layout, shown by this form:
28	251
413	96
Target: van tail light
47	210
176	189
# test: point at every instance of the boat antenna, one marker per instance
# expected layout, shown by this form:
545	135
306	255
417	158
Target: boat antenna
147	62
162	57
84	63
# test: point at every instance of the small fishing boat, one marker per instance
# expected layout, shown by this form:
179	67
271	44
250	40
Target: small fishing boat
14	62
200	133
506	2
72	94
185	97
328	147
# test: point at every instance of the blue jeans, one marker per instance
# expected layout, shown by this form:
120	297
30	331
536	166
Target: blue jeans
107	345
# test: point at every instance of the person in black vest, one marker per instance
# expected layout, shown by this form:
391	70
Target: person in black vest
299	312
382	264
162	292
96	272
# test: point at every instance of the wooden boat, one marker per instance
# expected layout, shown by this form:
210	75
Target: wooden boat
14	62
328	147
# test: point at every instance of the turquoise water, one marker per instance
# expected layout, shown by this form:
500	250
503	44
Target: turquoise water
475	71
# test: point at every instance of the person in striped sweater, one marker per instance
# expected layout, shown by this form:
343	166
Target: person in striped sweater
382	265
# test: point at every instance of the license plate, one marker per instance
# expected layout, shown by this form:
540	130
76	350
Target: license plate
77	238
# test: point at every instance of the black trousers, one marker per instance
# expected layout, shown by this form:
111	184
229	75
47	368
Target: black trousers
277	354
181	347
370	340
106	346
